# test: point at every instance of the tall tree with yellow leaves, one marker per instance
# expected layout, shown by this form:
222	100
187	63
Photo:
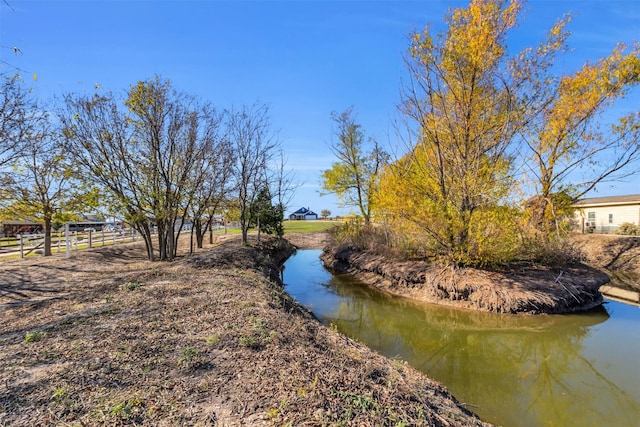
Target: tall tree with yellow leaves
570	150
471	105
465	115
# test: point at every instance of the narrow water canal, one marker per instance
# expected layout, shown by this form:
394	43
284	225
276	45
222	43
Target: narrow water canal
558	370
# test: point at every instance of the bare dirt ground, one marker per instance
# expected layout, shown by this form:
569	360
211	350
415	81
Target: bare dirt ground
108	338
309	240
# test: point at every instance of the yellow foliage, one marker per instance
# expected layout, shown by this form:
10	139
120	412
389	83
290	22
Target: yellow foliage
585	92
469	102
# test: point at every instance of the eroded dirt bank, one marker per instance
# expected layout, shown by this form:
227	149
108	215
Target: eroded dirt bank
107	338
529	290
618	256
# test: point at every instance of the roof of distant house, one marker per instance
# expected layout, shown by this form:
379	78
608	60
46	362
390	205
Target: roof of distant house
304	211
610	200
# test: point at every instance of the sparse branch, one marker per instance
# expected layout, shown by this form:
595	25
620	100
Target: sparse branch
254	146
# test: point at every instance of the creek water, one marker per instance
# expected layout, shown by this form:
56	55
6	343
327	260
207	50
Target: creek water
555	370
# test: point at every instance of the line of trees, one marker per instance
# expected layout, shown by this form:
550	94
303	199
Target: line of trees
485	127
158	156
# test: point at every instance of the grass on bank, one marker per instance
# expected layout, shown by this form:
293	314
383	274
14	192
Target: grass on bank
289	227
309	226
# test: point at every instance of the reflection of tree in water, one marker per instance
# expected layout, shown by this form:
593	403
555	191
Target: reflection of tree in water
519	370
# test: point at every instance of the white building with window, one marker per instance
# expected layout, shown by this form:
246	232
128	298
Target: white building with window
606	214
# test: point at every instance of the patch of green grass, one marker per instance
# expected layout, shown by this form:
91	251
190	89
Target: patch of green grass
248	341
212	339
356	404
309	226
258	323
188	354
60	397
57	395
33	336
132	286
258	335
360	402
125	408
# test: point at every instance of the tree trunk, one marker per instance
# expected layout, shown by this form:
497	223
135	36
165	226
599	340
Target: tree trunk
172	239
162	240
146	236
47	236
197	226
244	225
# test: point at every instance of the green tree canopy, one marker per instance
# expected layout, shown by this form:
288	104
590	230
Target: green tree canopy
353	176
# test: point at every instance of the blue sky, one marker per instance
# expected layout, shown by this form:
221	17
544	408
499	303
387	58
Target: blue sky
304	59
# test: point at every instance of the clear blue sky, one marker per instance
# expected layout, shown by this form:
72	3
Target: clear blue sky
303	58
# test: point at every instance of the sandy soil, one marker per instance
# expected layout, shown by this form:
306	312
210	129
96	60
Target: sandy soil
108	338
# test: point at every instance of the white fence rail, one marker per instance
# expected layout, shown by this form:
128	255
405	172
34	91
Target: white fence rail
26	244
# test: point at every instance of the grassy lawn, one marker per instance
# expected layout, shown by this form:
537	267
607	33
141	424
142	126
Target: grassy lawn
308	226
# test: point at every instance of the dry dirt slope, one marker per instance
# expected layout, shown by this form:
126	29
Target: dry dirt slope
107	338
619	256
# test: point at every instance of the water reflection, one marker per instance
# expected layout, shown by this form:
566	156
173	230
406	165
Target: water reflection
515	370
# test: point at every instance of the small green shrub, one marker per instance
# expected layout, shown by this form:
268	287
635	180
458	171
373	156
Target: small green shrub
188	354
628	229
132	286
33	336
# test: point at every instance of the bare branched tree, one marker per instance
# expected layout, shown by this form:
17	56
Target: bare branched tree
144	156
254	147
16	122
212	178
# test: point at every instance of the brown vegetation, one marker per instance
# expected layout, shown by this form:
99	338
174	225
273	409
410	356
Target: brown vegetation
531	289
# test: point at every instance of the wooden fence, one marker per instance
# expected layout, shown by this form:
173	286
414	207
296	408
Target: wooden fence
26	244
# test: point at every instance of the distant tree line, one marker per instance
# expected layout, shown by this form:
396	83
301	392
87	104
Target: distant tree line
158	156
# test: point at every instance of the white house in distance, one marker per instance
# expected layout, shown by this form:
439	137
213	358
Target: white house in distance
606	214
303	214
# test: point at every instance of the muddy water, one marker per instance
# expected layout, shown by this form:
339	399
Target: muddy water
559	370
